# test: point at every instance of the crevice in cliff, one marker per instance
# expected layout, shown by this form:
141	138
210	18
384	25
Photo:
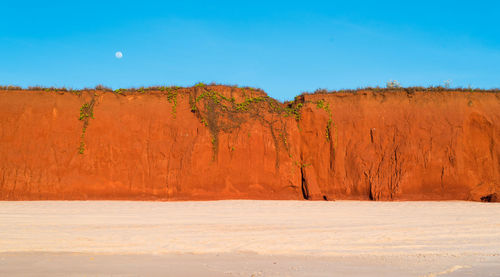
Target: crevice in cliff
276	146
490	198
396	175
370	194
370	187
305	189
442	176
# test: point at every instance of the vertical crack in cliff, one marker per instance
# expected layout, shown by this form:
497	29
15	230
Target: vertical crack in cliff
442	175
276	145
213	126
370	185
395	175
370	194
305	189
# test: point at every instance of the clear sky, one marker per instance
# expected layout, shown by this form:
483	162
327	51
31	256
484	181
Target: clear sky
283	47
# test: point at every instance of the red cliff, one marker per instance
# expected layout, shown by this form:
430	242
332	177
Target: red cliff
220	142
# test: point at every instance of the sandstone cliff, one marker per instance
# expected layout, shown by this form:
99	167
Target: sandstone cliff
220	142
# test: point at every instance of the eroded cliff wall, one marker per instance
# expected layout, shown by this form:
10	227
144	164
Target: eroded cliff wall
219	142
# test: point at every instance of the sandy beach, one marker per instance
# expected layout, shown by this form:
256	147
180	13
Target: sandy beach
245	238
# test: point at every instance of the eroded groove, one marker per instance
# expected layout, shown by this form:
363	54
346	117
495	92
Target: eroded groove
305	189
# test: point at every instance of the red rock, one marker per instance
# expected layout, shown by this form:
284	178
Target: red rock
165	145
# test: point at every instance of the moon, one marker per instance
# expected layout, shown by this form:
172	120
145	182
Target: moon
119	55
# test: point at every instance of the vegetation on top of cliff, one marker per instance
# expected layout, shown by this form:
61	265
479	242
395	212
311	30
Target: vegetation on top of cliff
121	91
393	84
395	87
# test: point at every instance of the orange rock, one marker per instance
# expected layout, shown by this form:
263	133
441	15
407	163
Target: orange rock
219	142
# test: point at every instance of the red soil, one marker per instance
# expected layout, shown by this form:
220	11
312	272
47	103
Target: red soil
166	145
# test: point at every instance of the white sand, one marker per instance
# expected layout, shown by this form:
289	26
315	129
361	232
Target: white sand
229	238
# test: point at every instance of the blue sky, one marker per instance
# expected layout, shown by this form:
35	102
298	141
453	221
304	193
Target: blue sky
282	47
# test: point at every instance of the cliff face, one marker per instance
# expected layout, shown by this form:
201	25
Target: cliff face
218	142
